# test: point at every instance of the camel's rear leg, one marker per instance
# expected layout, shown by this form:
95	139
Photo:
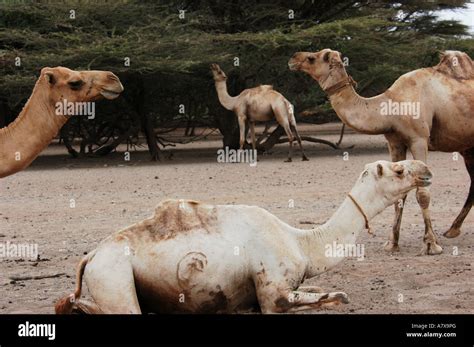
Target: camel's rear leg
109	277
83	306
289	134
455	229
252	135
292	124
298	139
282	116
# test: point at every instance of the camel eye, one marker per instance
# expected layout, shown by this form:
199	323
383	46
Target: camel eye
76	85
398	169
399	172
311	59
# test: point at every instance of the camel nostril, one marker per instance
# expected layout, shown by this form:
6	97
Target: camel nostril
113	77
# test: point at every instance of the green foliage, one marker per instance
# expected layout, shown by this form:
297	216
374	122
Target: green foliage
382	41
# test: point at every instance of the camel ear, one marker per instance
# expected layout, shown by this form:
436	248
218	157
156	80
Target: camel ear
336	59
379	170
49	77
326	57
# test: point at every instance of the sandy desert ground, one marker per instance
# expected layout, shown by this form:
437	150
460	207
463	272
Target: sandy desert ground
110	194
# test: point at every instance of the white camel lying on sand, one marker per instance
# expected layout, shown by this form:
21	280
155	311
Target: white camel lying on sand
192	257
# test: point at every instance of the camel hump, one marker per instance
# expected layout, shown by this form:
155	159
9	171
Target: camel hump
173	217
266	87
456	64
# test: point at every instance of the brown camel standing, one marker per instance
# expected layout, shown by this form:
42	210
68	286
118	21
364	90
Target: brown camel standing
258	104
425	109
39	121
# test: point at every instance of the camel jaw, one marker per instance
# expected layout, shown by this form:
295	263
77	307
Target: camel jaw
109	94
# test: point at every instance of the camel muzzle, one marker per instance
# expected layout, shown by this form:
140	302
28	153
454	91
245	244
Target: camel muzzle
293	66
423	181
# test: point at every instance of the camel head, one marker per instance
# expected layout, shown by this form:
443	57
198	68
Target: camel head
325	66
383	183
78	86
217	73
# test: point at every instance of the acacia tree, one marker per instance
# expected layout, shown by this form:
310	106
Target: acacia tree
169	53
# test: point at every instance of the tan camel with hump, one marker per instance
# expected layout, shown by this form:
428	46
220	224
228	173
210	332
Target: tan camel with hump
38	123
258	104
191	257
429	109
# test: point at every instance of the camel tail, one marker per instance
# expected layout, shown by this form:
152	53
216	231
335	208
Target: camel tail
66	304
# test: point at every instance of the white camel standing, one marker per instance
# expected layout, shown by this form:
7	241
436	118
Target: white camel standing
196	258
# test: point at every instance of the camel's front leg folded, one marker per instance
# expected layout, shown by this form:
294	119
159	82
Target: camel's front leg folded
308	300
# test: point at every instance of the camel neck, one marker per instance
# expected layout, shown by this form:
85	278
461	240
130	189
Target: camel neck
322	246
32	131
224	98
362	114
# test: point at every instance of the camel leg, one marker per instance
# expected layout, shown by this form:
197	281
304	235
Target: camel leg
290	141
455	229
267	126
294	301
298	139
308	300
242	119
420	150
83	306
252	134
398	151
109	277
282	117
279	298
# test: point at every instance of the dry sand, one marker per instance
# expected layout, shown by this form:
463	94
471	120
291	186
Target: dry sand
110	193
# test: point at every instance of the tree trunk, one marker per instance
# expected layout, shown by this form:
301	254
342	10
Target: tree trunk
227	125
146	122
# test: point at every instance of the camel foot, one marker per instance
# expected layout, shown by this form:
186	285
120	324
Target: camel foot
452	232
288	160
305	158
391	247
431	248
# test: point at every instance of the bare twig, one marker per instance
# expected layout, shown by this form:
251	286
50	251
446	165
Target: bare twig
38	277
